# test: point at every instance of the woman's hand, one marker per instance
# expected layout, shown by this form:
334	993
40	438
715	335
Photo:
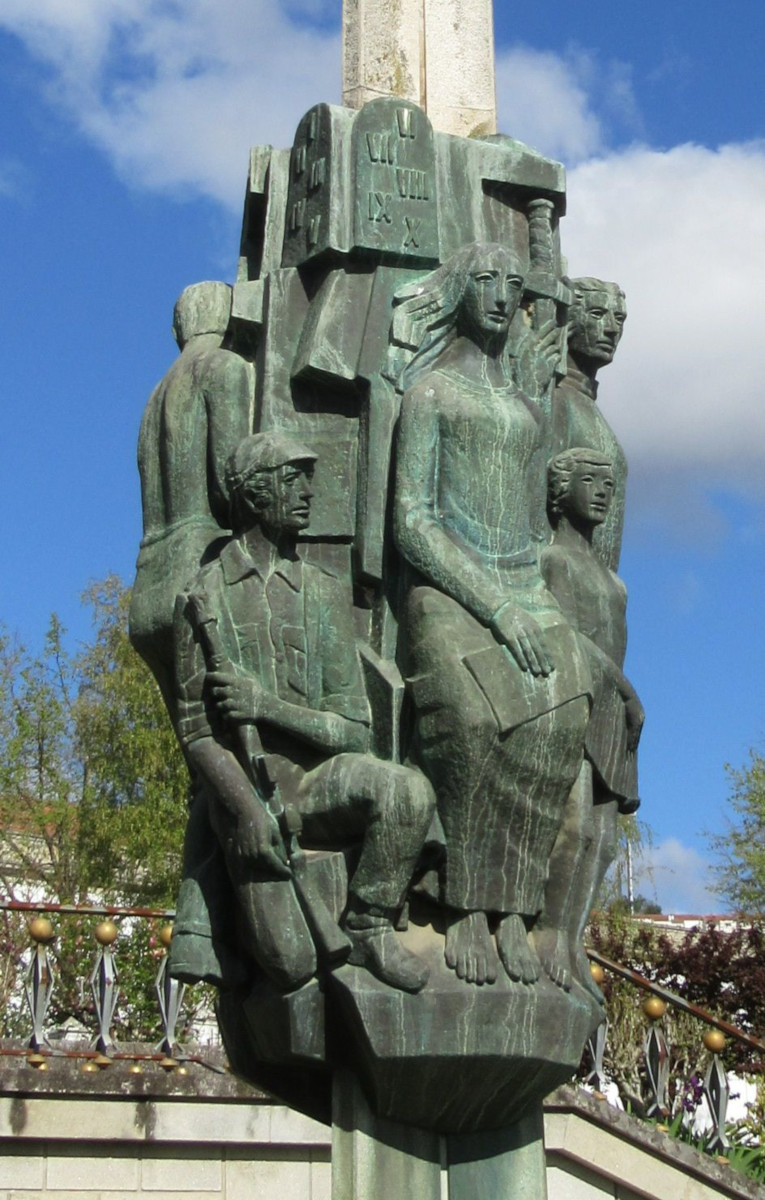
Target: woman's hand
523	637
635	716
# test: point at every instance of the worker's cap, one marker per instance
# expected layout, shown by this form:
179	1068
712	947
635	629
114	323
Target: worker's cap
265	452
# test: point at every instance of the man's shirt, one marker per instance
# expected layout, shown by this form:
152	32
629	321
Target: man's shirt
292	630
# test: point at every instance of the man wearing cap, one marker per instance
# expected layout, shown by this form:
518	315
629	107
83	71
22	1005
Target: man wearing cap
287	670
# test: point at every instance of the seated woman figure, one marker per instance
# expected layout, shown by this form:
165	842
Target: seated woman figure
499	684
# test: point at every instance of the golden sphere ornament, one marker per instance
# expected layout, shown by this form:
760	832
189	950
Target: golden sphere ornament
41	930
714	1040
654	1007
106	933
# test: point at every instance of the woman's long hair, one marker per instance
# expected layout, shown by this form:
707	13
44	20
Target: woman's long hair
425	314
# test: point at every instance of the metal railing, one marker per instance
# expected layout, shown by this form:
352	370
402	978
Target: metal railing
656	1051
41	974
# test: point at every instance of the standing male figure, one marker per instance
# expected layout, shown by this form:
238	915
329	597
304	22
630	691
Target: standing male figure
595	326
285	694
194	419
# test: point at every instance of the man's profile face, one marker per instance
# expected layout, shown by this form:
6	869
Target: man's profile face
597	325
288	509
589	494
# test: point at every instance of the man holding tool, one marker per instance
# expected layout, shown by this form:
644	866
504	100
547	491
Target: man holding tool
273	714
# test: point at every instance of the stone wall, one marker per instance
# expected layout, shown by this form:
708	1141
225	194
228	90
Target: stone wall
118	1135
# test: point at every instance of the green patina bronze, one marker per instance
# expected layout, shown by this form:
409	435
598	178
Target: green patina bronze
393	661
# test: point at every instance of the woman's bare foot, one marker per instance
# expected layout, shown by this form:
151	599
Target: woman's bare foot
470	949
552	947
518	959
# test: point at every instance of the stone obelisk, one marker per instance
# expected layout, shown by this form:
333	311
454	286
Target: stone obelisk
436	53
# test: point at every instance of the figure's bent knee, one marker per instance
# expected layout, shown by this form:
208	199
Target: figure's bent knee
412	791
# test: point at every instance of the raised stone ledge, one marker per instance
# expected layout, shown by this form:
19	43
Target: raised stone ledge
606	1143
592	1148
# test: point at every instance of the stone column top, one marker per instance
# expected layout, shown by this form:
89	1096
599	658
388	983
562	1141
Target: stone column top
437	53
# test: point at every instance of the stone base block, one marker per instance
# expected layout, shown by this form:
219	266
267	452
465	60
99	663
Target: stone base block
458	1058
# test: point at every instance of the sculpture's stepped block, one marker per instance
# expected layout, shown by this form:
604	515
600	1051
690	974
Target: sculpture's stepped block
459	1057
455	1057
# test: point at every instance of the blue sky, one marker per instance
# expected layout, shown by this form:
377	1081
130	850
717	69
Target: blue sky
124	133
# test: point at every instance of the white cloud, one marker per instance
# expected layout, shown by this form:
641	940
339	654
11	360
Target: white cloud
542	99
176	93
568	106
679	877
683	231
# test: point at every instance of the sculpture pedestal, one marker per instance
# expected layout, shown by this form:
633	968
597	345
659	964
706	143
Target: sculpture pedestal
374	1159
455	1059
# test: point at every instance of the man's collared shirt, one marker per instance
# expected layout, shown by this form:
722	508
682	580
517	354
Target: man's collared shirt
292	629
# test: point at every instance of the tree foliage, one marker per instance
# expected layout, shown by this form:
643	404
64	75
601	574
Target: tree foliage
741	847
93	798
93	786
135	792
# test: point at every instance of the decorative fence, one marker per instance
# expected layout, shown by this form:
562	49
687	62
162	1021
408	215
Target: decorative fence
713	1085
40	976
172	1052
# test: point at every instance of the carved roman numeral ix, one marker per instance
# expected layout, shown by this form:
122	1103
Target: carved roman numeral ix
379	206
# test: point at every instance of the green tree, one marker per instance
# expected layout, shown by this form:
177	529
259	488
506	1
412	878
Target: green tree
40	777
740	848
93	800
135	784
93	787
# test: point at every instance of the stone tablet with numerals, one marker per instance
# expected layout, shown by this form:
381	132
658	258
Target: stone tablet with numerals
316	218
396	205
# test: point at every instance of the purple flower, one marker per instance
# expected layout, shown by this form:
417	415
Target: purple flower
692	1093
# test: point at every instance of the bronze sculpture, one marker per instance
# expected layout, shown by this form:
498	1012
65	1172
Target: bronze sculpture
399	720
484	716
273	713
193	420
595	326
581	485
